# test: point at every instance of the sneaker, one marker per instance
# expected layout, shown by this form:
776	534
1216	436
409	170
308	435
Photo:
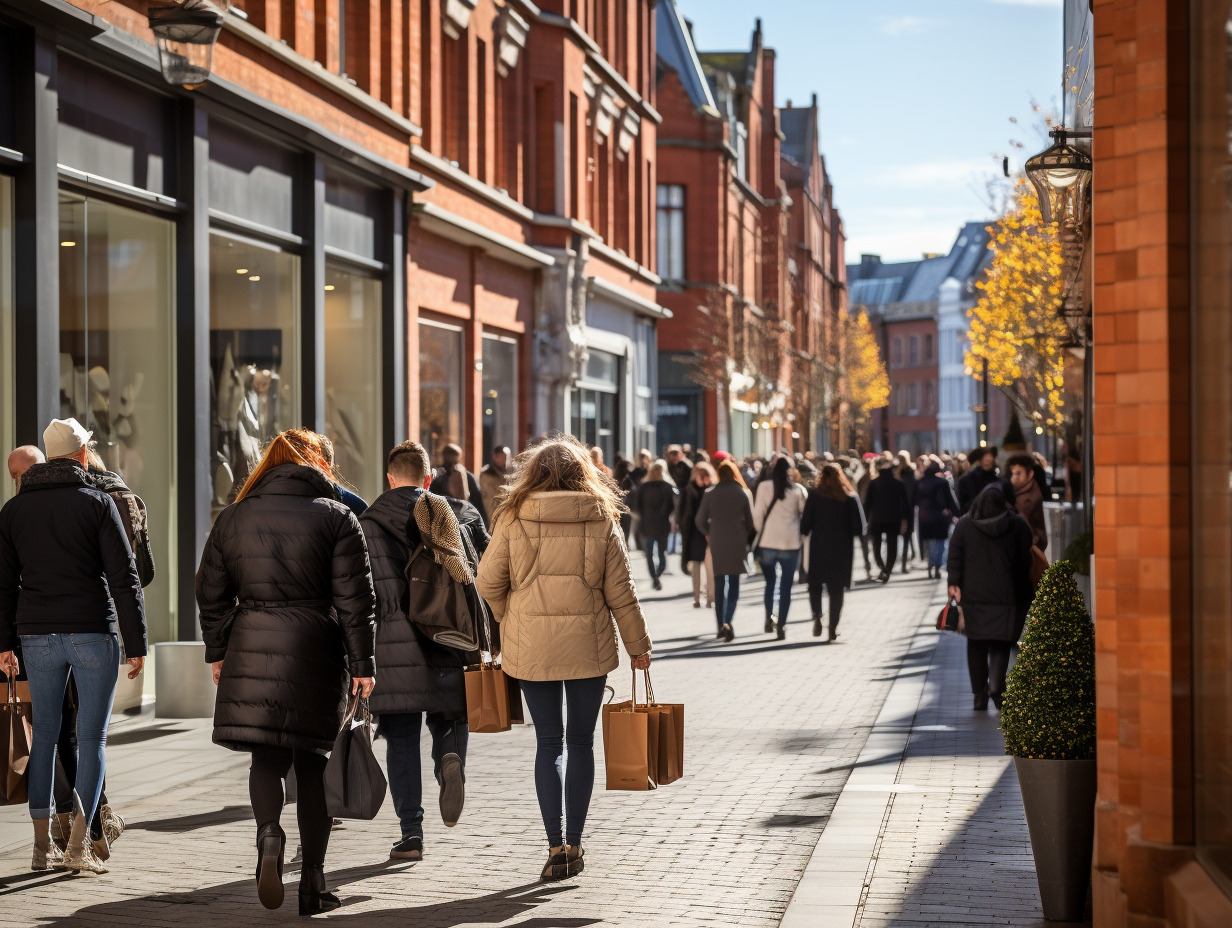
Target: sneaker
407	849
453	789
113	825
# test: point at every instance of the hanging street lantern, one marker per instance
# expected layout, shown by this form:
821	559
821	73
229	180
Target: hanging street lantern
185	33
1061	176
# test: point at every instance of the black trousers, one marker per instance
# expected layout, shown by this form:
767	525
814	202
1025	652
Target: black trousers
887	534
987	662
270	766
836	601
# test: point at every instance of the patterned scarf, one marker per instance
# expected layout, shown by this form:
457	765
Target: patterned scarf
439	529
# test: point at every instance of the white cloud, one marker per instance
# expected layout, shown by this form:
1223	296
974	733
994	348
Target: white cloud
899	25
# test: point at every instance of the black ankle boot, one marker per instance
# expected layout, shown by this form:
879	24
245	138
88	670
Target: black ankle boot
313	897
271	843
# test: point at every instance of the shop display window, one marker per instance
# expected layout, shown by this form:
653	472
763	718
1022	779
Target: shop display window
8	436
117	299
254	356
353	380
440	387
500	394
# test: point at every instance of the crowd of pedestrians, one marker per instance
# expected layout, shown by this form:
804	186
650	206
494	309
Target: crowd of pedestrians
304	605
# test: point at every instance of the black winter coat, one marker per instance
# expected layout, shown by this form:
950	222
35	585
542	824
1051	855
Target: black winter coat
694	547
287	605
417	675
655	502
832	525
440	486
65	562
937	507
886	501
990	562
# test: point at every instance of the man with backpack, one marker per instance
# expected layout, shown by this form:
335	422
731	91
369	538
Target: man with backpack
420	678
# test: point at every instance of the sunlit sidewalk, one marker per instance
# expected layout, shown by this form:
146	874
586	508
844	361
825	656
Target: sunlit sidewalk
929	829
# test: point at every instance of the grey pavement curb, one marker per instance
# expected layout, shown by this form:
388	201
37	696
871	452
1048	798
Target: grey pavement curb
832	887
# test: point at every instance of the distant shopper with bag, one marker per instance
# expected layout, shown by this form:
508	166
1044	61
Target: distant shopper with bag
725	519
66	574
779	504
287	615
989	566
557	577
421	681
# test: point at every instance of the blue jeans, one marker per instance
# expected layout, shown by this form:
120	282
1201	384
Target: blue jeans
936	550
401	733
785	562
726	596
648	545
583	698
94	659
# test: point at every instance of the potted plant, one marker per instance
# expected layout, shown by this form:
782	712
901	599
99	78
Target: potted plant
1048	719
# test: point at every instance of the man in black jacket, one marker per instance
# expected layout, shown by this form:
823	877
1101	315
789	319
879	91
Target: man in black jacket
418	677
888	511
983	473
456	482
66	575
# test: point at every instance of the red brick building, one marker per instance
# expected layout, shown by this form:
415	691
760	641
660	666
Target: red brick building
722	246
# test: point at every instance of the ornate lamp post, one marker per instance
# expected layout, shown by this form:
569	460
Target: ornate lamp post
185	33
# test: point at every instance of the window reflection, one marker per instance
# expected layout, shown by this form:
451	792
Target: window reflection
353	379
8	439
440	387
500	394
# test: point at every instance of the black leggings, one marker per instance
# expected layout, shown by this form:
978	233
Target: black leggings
545	700
270	766
836	601
889	536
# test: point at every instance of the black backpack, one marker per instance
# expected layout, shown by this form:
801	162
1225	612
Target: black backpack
447	611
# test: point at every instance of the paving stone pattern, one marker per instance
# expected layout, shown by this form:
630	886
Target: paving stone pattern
773	729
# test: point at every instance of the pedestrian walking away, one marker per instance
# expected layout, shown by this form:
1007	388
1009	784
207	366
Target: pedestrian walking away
832	520
493	476
655	503
421	681
888	511
695	555
456	482
776	516
557	577
906	473
936	509
989	576
287	612
725	519
67	574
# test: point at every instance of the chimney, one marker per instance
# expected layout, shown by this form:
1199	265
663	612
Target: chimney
789	103
867	261
814	101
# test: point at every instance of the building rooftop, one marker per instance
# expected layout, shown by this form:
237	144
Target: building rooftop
874	283
675	48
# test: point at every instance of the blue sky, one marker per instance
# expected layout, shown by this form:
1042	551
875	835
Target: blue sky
916	100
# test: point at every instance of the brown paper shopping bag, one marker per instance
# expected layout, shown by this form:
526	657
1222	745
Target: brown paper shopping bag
631	743
487	698
15	721
671	737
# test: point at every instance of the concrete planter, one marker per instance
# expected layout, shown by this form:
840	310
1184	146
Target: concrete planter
1059	798
183	686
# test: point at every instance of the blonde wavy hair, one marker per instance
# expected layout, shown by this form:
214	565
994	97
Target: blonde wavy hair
294	446
560	463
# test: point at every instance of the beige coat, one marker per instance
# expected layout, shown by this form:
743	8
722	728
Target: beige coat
556	576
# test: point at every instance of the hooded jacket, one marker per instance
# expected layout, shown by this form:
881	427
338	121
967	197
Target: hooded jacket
886	502
66	566
417	675
990	562
655	502
556	575
287	605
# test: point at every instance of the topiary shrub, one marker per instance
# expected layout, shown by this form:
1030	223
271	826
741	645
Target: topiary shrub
1080	551
1049	706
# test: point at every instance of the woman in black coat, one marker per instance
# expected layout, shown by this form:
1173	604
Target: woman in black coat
287	615
655	503
832	520
936	507
989	567
695	550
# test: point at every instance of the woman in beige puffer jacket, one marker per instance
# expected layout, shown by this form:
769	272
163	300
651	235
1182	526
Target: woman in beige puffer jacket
556	575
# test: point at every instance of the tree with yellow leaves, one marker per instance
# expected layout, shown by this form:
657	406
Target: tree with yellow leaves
867	386
1016	325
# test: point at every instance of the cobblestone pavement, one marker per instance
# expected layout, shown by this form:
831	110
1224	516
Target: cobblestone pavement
773	729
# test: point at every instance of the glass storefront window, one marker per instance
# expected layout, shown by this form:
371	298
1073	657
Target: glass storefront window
1211	261
440	387
254	355
500	394
353	379
8	438
117	299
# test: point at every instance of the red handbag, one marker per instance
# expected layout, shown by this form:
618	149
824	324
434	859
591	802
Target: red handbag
950	619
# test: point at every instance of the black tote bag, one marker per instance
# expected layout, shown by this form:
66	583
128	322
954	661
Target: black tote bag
354	784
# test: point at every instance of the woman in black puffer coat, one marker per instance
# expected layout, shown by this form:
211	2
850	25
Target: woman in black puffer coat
287	614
